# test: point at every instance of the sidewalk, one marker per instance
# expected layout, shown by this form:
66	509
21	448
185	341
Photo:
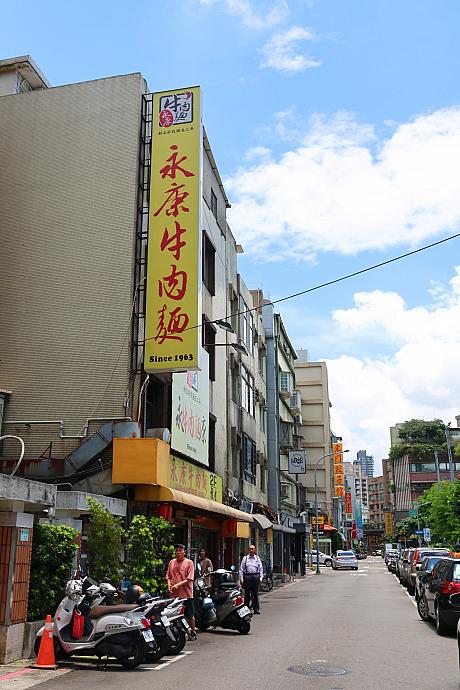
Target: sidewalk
18	675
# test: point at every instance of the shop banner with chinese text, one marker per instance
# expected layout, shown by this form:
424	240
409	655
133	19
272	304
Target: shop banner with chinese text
339	474
173	276
190	411
191	479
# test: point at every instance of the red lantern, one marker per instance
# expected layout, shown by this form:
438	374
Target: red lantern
165	511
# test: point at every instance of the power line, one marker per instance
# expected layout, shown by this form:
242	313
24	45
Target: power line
332	282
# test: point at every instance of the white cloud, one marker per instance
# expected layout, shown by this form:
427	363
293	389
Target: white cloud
281	52
421	379
342	188
274	14
257	152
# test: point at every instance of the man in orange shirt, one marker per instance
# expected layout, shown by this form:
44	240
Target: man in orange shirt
180	577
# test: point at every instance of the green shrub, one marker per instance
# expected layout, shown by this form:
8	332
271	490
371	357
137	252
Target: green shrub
53	549
105	533
150	547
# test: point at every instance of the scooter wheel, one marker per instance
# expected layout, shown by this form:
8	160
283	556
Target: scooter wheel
244	628
162	645
177	646
137	655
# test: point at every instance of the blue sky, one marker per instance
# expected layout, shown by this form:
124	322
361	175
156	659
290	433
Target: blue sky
336	128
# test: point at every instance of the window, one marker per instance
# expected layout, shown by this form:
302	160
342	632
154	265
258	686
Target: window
212	443
234	383
209	265
213	204
262	363
247	392
209	344
262	479
249	459
246	328
285	382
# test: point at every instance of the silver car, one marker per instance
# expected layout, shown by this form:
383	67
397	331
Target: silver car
345	559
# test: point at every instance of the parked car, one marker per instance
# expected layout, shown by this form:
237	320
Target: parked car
390	553
416	558
324	558
405	566
400	563
345	559
424	570
392	561
437	600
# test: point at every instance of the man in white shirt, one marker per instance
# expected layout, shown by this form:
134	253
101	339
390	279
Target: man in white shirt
251	575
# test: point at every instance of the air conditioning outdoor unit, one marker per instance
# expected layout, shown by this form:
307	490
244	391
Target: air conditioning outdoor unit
298	419
285	491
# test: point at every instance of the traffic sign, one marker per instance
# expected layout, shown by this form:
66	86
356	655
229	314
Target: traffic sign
427	534
413	513
419	531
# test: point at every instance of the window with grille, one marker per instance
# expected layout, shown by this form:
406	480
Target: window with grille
209	265
247	392
285	435
249	459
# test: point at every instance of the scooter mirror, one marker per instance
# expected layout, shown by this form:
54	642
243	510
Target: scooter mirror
232	568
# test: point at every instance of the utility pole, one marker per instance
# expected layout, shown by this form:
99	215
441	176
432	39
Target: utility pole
438	473
449	453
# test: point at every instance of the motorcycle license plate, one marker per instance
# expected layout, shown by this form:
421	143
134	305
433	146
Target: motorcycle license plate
148	635
165	621
243	611
185	624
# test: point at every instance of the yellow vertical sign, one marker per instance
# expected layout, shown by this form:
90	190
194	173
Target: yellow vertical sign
173	261
339	475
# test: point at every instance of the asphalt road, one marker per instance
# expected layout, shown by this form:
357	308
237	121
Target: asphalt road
362	623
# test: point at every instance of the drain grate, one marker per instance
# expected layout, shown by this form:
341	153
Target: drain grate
318	669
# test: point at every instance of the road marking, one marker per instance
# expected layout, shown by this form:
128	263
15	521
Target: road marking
164	664
28	677
411	599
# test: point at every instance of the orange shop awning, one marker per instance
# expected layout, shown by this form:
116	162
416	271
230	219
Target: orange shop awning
151	492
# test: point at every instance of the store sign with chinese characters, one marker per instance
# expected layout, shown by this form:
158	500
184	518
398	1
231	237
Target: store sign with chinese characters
184	476
190	412
339	474
172	313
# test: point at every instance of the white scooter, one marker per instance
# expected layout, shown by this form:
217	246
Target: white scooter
121	631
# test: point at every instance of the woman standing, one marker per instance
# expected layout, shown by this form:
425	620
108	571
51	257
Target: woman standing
204	565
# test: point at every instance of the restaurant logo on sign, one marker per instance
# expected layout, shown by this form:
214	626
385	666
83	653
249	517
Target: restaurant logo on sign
297	462
171	336
191	479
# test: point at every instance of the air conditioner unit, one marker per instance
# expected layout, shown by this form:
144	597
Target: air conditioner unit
232	363
298	419
257	395
295	402
285	491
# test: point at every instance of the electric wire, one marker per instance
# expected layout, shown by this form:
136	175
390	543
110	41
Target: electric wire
330	282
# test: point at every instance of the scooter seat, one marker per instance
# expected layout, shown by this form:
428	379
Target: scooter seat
98	611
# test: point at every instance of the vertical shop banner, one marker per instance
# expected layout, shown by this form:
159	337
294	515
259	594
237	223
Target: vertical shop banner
339	473
173	261
348	506
190	412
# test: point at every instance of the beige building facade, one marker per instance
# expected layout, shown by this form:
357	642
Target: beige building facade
315	428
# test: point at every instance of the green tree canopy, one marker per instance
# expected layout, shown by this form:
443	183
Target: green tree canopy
419	439
440	511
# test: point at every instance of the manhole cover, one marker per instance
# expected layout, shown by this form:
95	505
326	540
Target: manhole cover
318	669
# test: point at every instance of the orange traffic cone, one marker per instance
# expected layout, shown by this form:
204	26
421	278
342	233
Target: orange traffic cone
45	658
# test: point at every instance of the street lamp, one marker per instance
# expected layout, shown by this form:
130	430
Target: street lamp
328	455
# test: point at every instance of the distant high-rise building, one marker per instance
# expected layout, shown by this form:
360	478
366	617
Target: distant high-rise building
366	462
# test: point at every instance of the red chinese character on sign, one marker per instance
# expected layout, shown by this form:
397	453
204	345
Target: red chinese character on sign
191	425
173	242
170	330
183	478
174	285
176	200
198	428
198	480
173	471
190	476
170	170
204	479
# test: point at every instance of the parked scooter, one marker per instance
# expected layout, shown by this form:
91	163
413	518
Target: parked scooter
164	612
83	627
222	606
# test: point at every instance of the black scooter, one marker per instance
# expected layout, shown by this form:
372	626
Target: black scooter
221	605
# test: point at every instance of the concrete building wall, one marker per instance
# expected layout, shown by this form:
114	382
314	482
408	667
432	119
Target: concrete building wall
68	207
312	382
